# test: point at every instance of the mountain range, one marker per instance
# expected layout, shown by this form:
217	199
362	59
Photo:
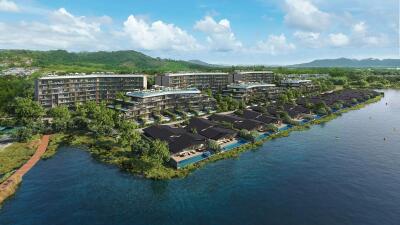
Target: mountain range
356	63
133	61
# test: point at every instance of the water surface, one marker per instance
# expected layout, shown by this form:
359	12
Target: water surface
342	172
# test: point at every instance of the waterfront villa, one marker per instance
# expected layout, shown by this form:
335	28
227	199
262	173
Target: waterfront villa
264	118
147	102
51	91
210	130
178	139
238	122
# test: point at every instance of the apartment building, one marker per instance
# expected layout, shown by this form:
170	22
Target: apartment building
214	81
143	103
253	90
254	76
51	91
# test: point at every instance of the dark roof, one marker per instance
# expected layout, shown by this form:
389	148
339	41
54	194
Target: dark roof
199	123
177	138
238	122
209	129
250	114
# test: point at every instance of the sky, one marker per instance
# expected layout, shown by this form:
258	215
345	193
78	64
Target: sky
240	32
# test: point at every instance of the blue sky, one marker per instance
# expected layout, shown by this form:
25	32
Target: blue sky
269	32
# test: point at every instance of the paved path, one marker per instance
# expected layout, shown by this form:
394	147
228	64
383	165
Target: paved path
8	187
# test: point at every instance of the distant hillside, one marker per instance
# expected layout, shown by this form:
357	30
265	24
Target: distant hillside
345	62
202	63
123	61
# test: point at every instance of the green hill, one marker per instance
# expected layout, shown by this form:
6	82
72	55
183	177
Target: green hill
117	61
354	63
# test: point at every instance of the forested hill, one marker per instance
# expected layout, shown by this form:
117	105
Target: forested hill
355	63
119	61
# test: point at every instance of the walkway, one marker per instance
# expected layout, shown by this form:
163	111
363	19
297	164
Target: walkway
7	188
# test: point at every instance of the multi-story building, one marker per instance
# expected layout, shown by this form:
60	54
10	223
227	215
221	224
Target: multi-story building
68	90
254	76
214	81
144	103
252	91
303	85
305	76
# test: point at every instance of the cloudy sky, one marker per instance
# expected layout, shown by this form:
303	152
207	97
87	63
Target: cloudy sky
266	32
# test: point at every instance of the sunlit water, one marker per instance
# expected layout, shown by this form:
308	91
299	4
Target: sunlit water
342	172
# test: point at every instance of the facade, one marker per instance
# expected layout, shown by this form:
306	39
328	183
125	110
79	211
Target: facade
306	76
51	91
304	85
295	83
144	103
254	76
213	81
251	91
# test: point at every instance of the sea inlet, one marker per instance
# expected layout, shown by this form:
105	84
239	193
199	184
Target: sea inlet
346	171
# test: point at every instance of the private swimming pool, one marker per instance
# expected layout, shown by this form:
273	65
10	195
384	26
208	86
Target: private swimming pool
192	160
234	145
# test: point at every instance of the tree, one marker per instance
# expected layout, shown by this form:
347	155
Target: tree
27	111
213	145
283	98
23	134
61	118
158	152
128	135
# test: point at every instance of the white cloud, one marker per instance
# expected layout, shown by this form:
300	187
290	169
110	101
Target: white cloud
361	36
62	30
158	35
338	39
304	15
219	35
311	39
8	6
276	44
360	28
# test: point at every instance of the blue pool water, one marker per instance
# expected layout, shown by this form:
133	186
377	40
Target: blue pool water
234	145
191	160
339	173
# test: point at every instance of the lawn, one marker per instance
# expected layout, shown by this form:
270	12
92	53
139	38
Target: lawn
15	155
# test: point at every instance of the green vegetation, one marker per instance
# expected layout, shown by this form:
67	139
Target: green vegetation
87	62
15	155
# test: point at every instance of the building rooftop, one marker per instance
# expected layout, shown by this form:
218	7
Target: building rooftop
195	74
162	91
295	81
209	129
178	139
254	72
249	85
79	76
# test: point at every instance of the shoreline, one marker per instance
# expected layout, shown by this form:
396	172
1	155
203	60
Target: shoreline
133	167
10	185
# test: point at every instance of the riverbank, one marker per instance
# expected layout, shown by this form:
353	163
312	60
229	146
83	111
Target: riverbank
9	186
106	150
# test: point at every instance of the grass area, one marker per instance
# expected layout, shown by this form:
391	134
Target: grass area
15	155
106	150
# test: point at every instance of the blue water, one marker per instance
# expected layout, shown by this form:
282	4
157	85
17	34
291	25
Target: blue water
342	172
234	145
192	160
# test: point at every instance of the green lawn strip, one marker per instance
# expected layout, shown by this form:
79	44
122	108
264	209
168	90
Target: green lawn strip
15	155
